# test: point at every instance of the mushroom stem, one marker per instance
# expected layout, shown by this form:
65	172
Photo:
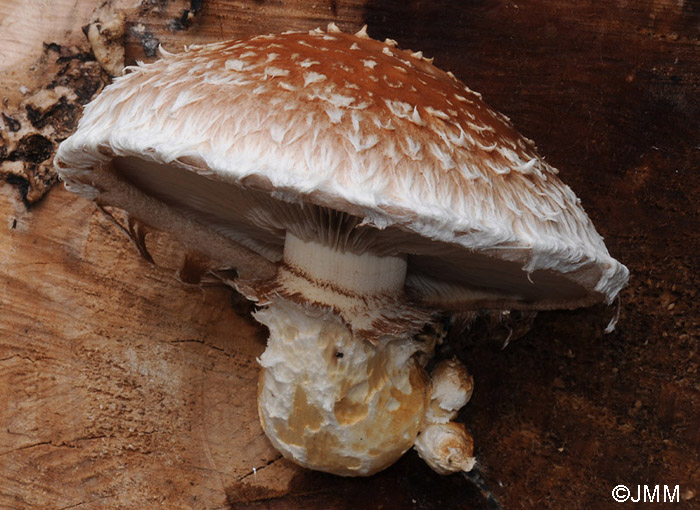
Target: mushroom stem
333	402
342	271
364	289
329	399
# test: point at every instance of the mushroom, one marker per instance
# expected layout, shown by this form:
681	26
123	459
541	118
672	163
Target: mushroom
356	189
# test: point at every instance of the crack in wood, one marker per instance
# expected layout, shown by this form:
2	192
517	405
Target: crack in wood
76	505
53	444
256	470
202	342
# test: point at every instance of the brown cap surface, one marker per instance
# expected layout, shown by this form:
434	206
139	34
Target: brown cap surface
243	135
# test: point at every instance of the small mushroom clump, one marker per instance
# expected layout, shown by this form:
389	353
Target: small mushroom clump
357	191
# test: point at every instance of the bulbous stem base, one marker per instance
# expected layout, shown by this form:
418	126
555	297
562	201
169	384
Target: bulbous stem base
335	403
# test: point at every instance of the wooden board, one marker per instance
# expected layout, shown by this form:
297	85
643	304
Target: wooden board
123	388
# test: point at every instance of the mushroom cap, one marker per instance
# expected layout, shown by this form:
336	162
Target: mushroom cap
300	131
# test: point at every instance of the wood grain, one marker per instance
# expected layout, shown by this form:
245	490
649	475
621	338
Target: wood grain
120	383
123	388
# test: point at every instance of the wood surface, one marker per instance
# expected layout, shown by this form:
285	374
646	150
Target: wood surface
123	388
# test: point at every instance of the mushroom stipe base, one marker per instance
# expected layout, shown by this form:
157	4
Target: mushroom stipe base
335	403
